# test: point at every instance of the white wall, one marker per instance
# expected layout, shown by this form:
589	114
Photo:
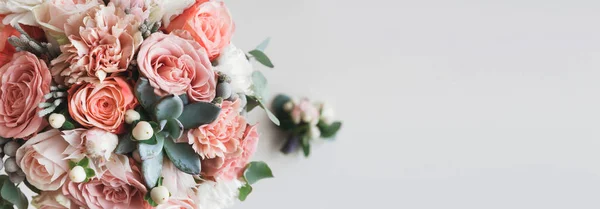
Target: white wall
458	104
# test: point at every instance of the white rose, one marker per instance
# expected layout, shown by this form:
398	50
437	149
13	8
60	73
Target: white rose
18	11
166	10
233	62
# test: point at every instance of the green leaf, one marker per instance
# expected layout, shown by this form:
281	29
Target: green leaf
160	181
72	164
169	107
174	128
89	173
263	45
68	125
271	116
151	141
259	84
244	192
126	145
328	131
148	151
306	145
85	162
148	199
183	157
278	103
256	171
152	169
197	114
184	98
12	194
145	93
262	58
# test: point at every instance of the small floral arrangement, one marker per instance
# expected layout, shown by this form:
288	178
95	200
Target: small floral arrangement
126	104
304	121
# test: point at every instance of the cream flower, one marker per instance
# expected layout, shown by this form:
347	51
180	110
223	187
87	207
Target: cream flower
19	11
217	194
234	63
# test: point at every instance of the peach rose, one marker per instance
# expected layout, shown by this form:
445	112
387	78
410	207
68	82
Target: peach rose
233	164
24	82
119	188
176	64
51	200
221	136
6	50
102	40
42	160
210	24
101	105
178	203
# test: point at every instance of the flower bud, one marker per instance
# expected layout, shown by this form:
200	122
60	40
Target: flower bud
77	174
10	165
314	132
160	194
131	116
56	120
142	131
288	106
327	113
10	148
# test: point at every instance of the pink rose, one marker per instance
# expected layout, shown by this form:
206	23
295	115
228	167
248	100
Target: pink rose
210	24
24	82
102	40
175	64
221	136
101	105
51	200
119	188
52	15
233	164
42	160
178	203
304	110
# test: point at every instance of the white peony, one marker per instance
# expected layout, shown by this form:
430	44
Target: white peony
234	63
19	11
217	195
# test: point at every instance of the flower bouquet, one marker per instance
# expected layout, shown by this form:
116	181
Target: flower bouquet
126	104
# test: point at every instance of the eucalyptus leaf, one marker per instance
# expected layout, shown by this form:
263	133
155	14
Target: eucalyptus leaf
259	84
197	114
328	131
244	192
256	171
184	98
260	103
174	128
152	169
68	125
169	107
263	45
183	157
261	57
144	92
126	145
12	194
148	151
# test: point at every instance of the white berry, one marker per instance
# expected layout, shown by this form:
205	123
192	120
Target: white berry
77	174
131	116
142	131
56	120
327	113
314	132
160	194
288	106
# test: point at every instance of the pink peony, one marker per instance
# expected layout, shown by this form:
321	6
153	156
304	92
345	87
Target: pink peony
233	164
175	64
24	82
210	24
221	136
102	40
119	188
51	200
178	203
42	160
101	105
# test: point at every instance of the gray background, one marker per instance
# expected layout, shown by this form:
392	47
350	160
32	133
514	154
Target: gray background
447	103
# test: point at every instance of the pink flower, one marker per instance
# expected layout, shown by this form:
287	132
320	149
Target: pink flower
51	200
42	160
221	136
233	164
102	40
95	144
178	203
210	24
175	64
136	7
101	105
6	50
303	111
180	184
118	188
23	83
52	15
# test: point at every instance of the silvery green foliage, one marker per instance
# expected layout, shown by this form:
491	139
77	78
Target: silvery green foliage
148	28
27	43
56	96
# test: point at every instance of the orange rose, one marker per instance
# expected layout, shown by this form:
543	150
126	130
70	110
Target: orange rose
101	105
209	22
